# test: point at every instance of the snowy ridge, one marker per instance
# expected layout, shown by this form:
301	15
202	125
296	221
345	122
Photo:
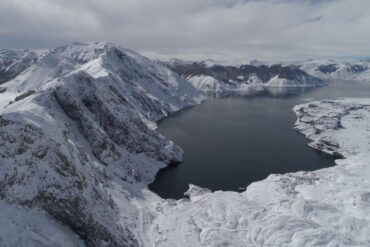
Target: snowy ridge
78	144
100	60
328	207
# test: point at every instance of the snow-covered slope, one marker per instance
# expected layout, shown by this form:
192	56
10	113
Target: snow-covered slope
331	69
101	60
79	134
210	77
328	207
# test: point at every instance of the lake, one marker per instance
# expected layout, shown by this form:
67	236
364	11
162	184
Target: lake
232	141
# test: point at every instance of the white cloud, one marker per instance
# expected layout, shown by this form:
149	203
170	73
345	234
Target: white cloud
194	29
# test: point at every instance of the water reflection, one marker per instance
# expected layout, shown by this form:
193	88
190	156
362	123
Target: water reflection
272	92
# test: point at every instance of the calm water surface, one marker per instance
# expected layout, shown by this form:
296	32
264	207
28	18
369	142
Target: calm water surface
232	141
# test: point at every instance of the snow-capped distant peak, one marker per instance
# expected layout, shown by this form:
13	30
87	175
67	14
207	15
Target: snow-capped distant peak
176	61
208	63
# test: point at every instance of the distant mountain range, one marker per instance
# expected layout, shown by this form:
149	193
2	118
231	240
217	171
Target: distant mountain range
331	69
211	77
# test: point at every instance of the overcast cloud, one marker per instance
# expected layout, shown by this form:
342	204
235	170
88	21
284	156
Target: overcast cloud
235	30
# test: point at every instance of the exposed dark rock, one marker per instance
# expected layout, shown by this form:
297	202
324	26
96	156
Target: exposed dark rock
328	69
358	68
24	95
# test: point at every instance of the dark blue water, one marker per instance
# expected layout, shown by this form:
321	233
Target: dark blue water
234	140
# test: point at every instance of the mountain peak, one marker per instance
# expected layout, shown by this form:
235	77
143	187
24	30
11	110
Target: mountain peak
84	51
208	63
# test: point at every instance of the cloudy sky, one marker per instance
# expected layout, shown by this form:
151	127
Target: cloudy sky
232	30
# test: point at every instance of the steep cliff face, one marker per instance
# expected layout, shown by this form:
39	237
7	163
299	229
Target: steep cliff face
81	126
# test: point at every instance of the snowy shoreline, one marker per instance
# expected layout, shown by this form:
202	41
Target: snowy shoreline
327	207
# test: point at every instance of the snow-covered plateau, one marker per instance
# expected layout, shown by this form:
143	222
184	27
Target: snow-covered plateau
78	148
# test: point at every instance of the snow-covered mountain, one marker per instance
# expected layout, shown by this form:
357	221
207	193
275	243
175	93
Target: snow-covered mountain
78	147
331	69
210	77
13	63
78	132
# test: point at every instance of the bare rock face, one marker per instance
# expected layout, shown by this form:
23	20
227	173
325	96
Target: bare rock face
83	128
